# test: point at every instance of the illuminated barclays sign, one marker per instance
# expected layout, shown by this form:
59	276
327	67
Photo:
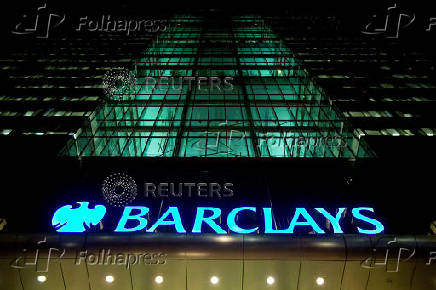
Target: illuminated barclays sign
134	219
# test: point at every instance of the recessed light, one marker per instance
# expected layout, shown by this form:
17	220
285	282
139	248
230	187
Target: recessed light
214	280
158	279
320	281
270	280
41	278
109	278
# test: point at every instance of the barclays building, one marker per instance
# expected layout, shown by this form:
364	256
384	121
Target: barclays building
239	148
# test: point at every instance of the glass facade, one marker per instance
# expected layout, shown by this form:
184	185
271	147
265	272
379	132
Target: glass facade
227	90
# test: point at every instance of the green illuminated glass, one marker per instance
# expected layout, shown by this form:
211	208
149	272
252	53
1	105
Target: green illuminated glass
273	110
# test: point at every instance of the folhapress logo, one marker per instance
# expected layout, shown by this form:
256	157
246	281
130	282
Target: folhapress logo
30	257
389	24
394	20
394	254
39	24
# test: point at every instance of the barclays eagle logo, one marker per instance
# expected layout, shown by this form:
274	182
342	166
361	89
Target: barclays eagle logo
69	219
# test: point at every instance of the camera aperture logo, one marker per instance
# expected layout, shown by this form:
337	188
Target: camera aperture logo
119	189
119	82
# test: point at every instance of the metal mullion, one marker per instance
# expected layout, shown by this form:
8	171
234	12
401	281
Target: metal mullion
172	121
225	129
188	101
272	109
207	129
154	125
258	112
340	133
138	120
283	98
172	124
304	108
112	109
316	126
190	125
244	92
117	143
244	129
296	121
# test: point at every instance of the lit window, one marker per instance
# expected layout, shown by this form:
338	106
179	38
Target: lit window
6	131
404	115
427	131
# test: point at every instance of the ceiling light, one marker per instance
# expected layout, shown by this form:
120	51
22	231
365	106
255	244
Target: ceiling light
158	279
270	280
109	278
214	280
41	278
320	281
